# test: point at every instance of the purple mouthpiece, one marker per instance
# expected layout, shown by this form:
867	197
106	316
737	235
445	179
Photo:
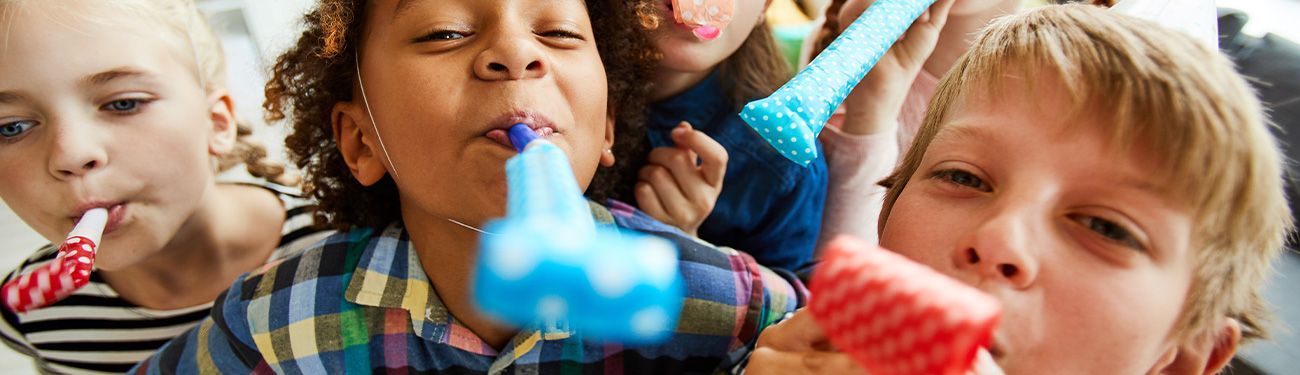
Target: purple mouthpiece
521	135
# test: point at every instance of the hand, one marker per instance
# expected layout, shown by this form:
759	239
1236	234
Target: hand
873	106
677	190
798	346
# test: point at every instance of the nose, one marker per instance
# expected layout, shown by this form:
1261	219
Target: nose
75	151
999	249
511	57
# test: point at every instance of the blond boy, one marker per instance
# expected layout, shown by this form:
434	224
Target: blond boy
1112	182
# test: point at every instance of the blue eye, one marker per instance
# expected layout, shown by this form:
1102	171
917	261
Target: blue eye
1111	231
123	105
15	129
962	178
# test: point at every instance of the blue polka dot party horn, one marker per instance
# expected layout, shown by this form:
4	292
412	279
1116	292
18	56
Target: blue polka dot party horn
791	117
547	265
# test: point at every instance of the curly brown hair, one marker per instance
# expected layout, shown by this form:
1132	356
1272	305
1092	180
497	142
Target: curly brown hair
308	79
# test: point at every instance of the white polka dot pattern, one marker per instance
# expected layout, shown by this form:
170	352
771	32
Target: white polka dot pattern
696	13
895	316
63	276
781	118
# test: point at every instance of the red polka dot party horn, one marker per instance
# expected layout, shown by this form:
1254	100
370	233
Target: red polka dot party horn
69	271
895	316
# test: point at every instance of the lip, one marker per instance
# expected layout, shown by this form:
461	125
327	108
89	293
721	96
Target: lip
499	127
116	213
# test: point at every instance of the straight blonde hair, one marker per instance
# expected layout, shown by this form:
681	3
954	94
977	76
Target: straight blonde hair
182	21
1163	93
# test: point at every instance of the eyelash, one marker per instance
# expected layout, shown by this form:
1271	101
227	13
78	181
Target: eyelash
1110	230
951	175
563	34
1118	234
451	35
138	105
442	36
10	139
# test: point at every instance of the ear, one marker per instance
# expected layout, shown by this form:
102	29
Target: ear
224	129
607	153
1206	355
352	133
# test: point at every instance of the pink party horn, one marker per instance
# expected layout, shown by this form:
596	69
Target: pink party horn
896	316
69	271
706	18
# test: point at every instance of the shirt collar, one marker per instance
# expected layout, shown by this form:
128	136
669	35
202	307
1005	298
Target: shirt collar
389	275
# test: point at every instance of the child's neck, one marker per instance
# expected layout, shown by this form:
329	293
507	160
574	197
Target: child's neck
668	83
448	253
958	35
234	230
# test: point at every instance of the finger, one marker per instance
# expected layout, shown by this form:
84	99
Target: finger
939	12
798	333
669	193
712	156
648	202
690	180
770	361
920	39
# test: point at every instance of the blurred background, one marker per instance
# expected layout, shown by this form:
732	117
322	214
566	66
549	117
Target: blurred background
1261	35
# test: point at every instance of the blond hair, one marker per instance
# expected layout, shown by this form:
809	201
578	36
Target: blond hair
1164	93
182	19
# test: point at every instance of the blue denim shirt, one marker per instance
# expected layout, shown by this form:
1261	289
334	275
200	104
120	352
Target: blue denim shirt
770	207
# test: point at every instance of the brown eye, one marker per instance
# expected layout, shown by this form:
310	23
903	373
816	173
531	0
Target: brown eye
961	178
1110	230
441	36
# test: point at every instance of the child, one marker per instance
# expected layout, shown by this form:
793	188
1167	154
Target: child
1112	182
768	206
131	123
395	104
881	116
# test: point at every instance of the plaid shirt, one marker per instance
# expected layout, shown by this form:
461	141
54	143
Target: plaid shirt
360	302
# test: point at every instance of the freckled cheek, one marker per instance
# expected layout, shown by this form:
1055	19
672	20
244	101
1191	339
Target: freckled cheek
922	229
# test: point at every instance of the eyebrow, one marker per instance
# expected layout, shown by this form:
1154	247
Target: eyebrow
108	76
966	132
8	97
403	6
961	132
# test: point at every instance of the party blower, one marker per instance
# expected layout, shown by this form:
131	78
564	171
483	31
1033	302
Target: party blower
69	271
895	316
547	261
706	18
791	117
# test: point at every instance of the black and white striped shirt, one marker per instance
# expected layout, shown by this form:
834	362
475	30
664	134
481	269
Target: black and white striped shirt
95	331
